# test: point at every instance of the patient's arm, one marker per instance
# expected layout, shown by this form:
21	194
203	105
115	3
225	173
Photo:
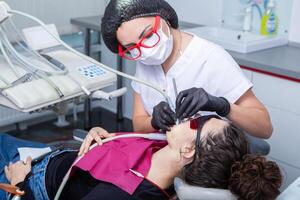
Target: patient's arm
95	135
16	173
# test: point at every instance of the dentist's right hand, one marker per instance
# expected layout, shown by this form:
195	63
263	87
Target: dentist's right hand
163	117
95	134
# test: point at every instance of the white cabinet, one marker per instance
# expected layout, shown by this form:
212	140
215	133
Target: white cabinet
294	26
285	141
282	99
278	93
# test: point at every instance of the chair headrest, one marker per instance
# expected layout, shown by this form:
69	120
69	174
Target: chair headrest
188	192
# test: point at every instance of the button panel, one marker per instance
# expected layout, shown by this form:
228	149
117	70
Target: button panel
91	71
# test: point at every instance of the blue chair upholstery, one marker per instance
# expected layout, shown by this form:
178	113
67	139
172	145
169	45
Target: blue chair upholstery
258	146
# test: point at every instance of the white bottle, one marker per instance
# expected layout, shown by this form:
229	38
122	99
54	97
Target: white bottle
248	19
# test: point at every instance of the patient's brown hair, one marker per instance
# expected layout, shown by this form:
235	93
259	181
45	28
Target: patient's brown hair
224	162
255	178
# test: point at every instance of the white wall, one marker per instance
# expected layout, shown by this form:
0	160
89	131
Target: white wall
206	12
57	11
295	27
213	12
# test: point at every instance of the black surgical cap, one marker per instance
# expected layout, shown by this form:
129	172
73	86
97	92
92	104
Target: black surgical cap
119	11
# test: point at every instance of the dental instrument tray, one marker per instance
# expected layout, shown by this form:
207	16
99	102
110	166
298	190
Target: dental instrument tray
36	94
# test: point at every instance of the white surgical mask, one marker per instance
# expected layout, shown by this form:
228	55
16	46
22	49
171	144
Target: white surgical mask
158	54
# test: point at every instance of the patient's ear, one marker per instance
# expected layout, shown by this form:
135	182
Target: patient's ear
188	151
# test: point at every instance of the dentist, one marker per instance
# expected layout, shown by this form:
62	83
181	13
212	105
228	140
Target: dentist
207	77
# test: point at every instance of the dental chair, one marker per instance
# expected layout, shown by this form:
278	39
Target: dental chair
188	192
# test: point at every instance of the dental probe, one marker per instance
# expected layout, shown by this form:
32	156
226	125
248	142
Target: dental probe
176	94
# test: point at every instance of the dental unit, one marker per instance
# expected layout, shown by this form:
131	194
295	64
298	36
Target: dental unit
33	80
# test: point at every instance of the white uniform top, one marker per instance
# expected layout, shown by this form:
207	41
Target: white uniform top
202	65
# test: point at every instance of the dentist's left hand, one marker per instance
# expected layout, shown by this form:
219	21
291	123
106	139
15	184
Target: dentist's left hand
95	134
163	117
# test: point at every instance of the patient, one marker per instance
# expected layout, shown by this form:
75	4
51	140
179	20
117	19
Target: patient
219	159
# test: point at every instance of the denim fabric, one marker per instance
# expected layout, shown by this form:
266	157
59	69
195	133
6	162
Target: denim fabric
9	153
9	149
37	180
3	195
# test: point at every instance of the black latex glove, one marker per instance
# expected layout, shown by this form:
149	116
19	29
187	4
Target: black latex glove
193	100
163	117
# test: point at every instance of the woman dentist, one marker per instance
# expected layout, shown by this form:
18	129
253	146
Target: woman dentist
207	77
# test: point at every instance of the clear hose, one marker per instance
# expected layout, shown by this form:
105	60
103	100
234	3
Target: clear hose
7	43
33	52
10	64
24	62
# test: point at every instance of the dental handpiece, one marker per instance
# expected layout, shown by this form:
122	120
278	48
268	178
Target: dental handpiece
172	106
55	62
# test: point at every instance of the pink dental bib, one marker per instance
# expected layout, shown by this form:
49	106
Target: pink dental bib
123	162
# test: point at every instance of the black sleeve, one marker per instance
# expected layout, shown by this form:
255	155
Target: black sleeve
84	187
145	191
107	191
56	170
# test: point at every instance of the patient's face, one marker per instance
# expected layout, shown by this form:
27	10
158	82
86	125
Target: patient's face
184	134
180	134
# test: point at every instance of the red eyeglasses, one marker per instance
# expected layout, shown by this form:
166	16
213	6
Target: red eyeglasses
149	40
198	122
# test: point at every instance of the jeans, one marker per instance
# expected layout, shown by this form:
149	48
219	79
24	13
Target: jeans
9	153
